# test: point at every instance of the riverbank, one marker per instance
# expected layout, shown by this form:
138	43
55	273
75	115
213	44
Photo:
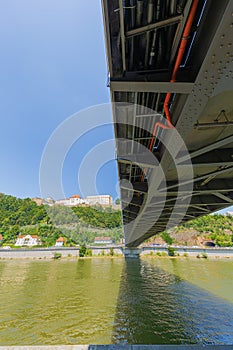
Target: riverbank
101	252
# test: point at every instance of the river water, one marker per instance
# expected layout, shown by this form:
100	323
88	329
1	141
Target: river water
104	300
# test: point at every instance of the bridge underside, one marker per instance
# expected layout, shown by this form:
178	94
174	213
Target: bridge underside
170	175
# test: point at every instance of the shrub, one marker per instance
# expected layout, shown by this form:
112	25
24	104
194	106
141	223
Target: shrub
57	255
88	252
204	255
166	237
82	251
158	253
111	251
185	255
171	251
198	256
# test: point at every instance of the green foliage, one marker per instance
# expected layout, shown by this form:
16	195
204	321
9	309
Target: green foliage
163	254
15	211
111	251
204	255
57	255
80	225
171	251
82	251
166	237
118	201
99	218
218	228
88	252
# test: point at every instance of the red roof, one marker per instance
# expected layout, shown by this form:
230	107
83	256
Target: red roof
0	237
75	196
29	235
60	239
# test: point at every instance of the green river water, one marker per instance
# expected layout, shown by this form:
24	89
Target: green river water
103	300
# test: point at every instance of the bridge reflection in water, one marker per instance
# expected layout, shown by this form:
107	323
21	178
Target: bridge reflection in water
159	307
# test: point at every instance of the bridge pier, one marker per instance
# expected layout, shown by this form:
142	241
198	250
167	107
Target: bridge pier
132	252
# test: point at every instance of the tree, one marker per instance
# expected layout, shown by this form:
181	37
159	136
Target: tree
82	251
118	201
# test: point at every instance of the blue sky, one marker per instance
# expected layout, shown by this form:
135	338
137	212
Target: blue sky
52	65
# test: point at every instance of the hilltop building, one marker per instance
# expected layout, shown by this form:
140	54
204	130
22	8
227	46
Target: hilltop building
72	201
104	199
37	200
76	200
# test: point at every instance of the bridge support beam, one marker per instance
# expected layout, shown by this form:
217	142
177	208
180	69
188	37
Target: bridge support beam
132	252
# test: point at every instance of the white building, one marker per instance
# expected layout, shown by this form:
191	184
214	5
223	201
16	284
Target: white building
71	202
27	240
60	242
48	201
103	199
64	201
76	200
103	240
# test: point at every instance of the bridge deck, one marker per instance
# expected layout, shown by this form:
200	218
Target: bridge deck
171	175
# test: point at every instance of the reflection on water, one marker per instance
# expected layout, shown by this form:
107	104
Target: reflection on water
157	307
100	300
